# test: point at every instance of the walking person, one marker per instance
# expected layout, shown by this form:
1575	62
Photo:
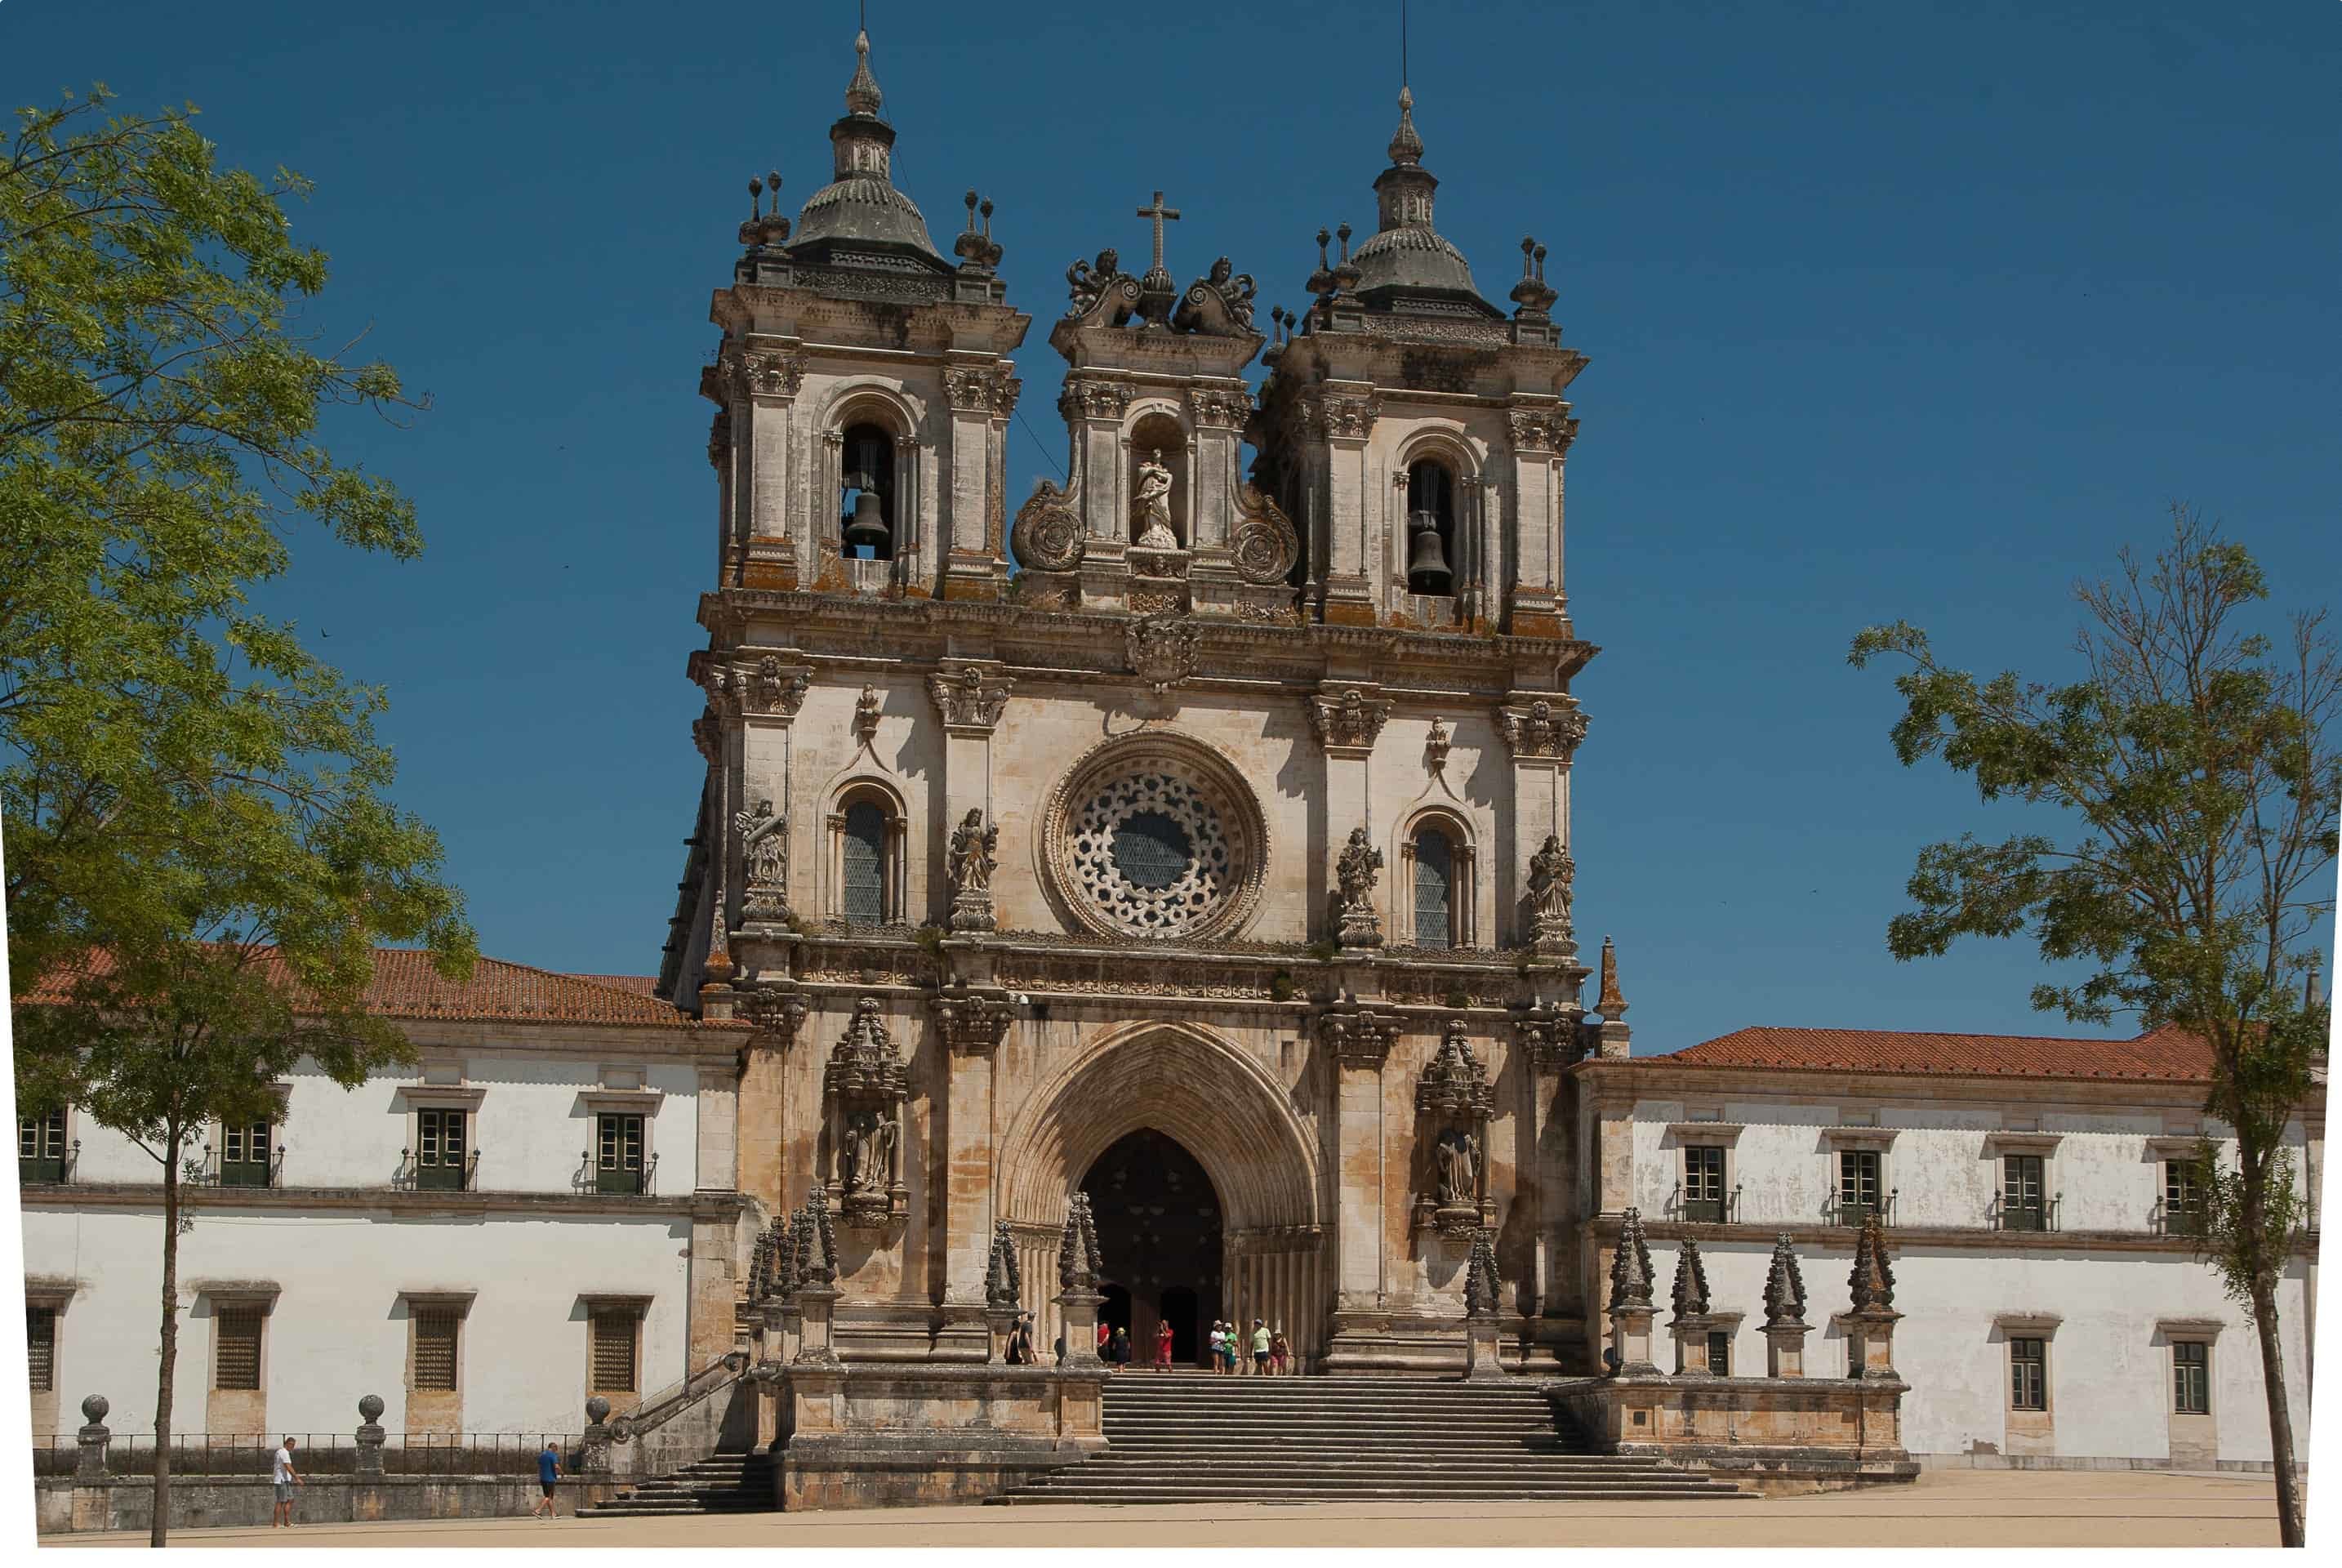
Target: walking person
282	1472
1259	1348
1020	1342
548	1473
1118	1348
1278	1350
1163	1347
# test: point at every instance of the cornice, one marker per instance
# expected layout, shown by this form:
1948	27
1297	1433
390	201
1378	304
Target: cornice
1901	1239
81	1195
1653	1078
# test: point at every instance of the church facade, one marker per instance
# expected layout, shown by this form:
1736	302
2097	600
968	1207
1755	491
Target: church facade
1194	838
1221	844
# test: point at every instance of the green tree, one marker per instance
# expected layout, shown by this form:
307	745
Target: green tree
200	855
2194	762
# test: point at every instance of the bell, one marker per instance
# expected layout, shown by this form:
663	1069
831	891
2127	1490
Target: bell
868	527
1426	563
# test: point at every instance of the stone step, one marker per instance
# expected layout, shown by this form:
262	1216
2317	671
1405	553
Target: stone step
1590	1492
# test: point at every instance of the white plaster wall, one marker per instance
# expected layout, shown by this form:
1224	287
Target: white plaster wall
2109	1370
338	1329
531	1127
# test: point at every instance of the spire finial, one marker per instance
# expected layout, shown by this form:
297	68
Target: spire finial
862	95
1405	145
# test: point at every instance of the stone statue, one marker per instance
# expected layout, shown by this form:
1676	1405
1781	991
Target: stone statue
882	1134
854	1158
1460	1168
1084	284
969	867
1153	503
765	854
1551	875
1354	906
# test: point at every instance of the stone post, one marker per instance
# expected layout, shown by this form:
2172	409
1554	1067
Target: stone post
1481	1297
593	1452
370	1437
817	1304
1871	1324
1631	1312
1077	1296
1690	1323
1784	1314
90	1468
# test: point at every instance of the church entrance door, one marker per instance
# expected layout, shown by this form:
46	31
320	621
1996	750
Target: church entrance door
1158	1226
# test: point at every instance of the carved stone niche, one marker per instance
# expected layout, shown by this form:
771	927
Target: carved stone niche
1453	1102
865	1087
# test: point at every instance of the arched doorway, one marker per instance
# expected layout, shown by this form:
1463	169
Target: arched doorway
1158	1225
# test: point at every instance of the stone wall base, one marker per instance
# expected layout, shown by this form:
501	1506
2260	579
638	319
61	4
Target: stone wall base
889	1436
1377	1345
2091	1461
213	1502
1771	1434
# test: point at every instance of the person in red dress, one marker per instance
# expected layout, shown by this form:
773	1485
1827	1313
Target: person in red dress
1163	1347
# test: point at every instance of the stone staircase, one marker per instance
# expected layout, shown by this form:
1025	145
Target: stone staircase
721	1483
1194	1437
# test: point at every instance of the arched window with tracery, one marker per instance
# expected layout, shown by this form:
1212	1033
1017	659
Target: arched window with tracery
867	834
1438	891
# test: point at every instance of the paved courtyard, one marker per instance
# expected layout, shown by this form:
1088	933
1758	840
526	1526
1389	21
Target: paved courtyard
1943	1508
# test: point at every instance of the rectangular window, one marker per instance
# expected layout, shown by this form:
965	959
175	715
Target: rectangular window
2028	1380
1704	1183
237	1362
618	1154
1719	1352
41	1148
244	1155
1857	1184
2021	1204
2183	1200
437	1334
2191	1377
41	1347
613	1369
440	1149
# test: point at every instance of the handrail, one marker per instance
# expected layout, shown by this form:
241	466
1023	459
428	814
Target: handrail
675	1399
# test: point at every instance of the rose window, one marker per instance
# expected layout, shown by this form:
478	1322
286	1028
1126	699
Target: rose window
1150	854
1155	837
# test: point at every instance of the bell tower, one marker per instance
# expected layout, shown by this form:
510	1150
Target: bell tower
1415	434
862	390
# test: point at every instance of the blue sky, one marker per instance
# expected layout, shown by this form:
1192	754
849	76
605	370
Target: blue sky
1894	311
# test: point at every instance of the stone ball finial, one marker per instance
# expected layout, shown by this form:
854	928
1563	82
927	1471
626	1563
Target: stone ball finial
597	1410
370	1409
94	1409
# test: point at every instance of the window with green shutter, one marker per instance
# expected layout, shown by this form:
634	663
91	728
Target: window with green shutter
440	1150
2183	1200
2191	1377
41	1148
1704	1183
1719	1352
2021	1204
244	1159
618	1153
2028	1374
1857	1184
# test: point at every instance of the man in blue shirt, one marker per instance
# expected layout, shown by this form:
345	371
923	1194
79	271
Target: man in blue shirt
548	1472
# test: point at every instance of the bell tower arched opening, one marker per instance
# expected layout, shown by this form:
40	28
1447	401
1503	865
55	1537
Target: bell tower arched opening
1160	1231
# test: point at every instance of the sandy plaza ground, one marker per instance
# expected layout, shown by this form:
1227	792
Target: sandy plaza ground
1943	1508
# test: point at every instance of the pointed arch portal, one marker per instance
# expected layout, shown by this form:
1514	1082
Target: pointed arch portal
1158	1225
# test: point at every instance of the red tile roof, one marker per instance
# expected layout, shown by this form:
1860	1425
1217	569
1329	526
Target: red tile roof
405	986
2166	1054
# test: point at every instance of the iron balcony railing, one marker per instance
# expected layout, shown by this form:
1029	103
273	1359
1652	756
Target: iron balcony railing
1723	1210
2024	1214
1841	1212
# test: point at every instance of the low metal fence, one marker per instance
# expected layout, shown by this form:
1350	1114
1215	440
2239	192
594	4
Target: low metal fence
513	1453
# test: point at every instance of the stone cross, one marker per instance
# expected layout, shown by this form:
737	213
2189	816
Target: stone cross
1158	212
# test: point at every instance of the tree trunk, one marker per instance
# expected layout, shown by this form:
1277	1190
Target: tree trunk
2289	1484
158	1533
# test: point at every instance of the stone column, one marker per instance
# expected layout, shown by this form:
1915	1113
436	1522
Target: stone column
1345	412
983	395
1541	433
1360	1040
762	416
972	1021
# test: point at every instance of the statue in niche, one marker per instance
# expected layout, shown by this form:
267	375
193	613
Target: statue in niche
1460	1168
854	1157
1354	902
1552	875
1153	503
972	861
881	1154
